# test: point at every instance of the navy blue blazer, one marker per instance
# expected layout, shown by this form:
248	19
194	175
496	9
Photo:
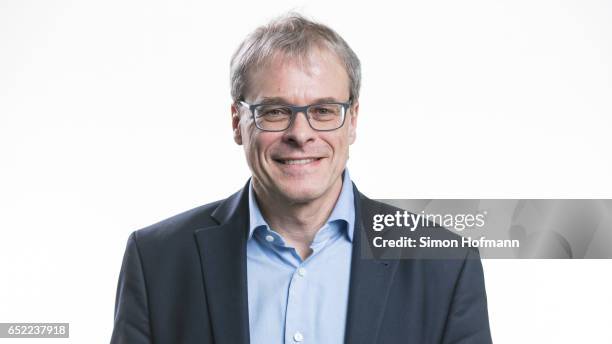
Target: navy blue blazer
183	280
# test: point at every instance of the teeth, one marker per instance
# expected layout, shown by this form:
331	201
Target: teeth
297	162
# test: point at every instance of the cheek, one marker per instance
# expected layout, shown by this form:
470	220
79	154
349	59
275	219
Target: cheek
259	145
339	145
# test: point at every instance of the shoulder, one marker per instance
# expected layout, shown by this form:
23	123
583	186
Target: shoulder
166	252
179	224
174	234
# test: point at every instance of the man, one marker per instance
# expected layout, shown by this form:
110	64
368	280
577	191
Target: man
279	261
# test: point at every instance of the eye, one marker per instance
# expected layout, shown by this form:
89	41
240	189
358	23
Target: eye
272	111
324	112
275	112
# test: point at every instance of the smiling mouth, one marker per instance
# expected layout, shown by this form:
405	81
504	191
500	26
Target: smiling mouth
297	161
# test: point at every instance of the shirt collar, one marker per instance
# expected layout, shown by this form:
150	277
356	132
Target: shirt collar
344	210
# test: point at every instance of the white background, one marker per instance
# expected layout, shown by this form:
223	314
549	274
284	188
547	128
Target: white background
115	115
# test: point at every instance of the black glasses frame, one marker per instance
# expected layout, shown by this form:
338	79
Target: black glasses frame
295	110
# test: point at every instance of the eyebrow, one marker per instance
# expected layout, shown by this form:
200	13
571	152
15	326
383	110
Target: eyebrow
281	100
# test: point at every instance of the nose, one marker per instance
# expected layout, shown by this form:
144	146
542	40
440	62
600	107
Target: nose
300	132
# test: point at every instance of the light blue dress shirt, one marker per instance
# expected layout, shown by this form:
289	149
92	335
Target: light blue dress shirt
300	301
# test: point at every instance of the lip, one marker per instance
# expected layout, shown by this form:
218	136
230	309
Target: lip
297	161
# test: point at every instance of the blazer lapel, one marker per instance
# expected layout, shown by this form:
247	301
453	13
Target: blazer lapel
222	251
369	283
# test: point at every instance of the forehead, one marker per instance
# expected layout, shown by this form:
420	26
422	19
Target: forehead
318	74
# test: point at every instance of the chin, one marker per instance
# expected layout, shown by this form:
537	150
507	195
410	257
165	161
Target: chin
301	194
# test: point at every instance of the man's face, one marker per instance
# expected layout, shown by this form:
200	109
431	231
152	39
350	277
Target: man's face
297	165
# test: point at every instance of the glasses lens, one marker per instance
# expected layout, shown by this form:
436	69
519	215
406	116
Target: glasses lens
326	116
272	117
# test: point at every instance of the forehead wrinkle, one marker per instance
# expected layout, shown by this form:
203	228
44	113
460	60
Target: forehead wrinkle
297	58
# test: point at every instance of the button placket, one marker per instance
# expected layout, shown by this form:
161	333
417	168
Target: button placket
294	322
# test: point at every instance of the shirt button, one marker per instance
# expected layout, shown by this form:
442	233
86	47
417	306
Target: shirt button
269	238
301	272
298	337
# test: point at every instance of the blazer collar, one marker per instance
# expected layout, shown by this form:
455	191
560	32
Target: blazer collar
222	250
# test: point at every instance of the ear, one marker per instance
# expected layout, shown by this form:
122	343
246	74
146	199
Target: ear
352	121
236	124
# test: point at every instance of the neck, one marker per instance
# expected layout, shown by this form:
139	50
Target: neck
297	222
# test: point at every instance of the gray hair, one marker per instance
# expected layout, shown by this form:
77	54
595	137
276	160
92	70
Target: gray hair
293	36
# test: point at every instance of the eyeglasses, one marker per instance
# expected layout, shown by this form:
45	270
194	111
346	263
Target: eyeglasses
279	117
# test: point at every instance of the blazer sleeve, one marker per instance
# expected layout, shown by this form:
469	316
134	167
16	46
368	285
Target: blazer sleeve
131	306
468	320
